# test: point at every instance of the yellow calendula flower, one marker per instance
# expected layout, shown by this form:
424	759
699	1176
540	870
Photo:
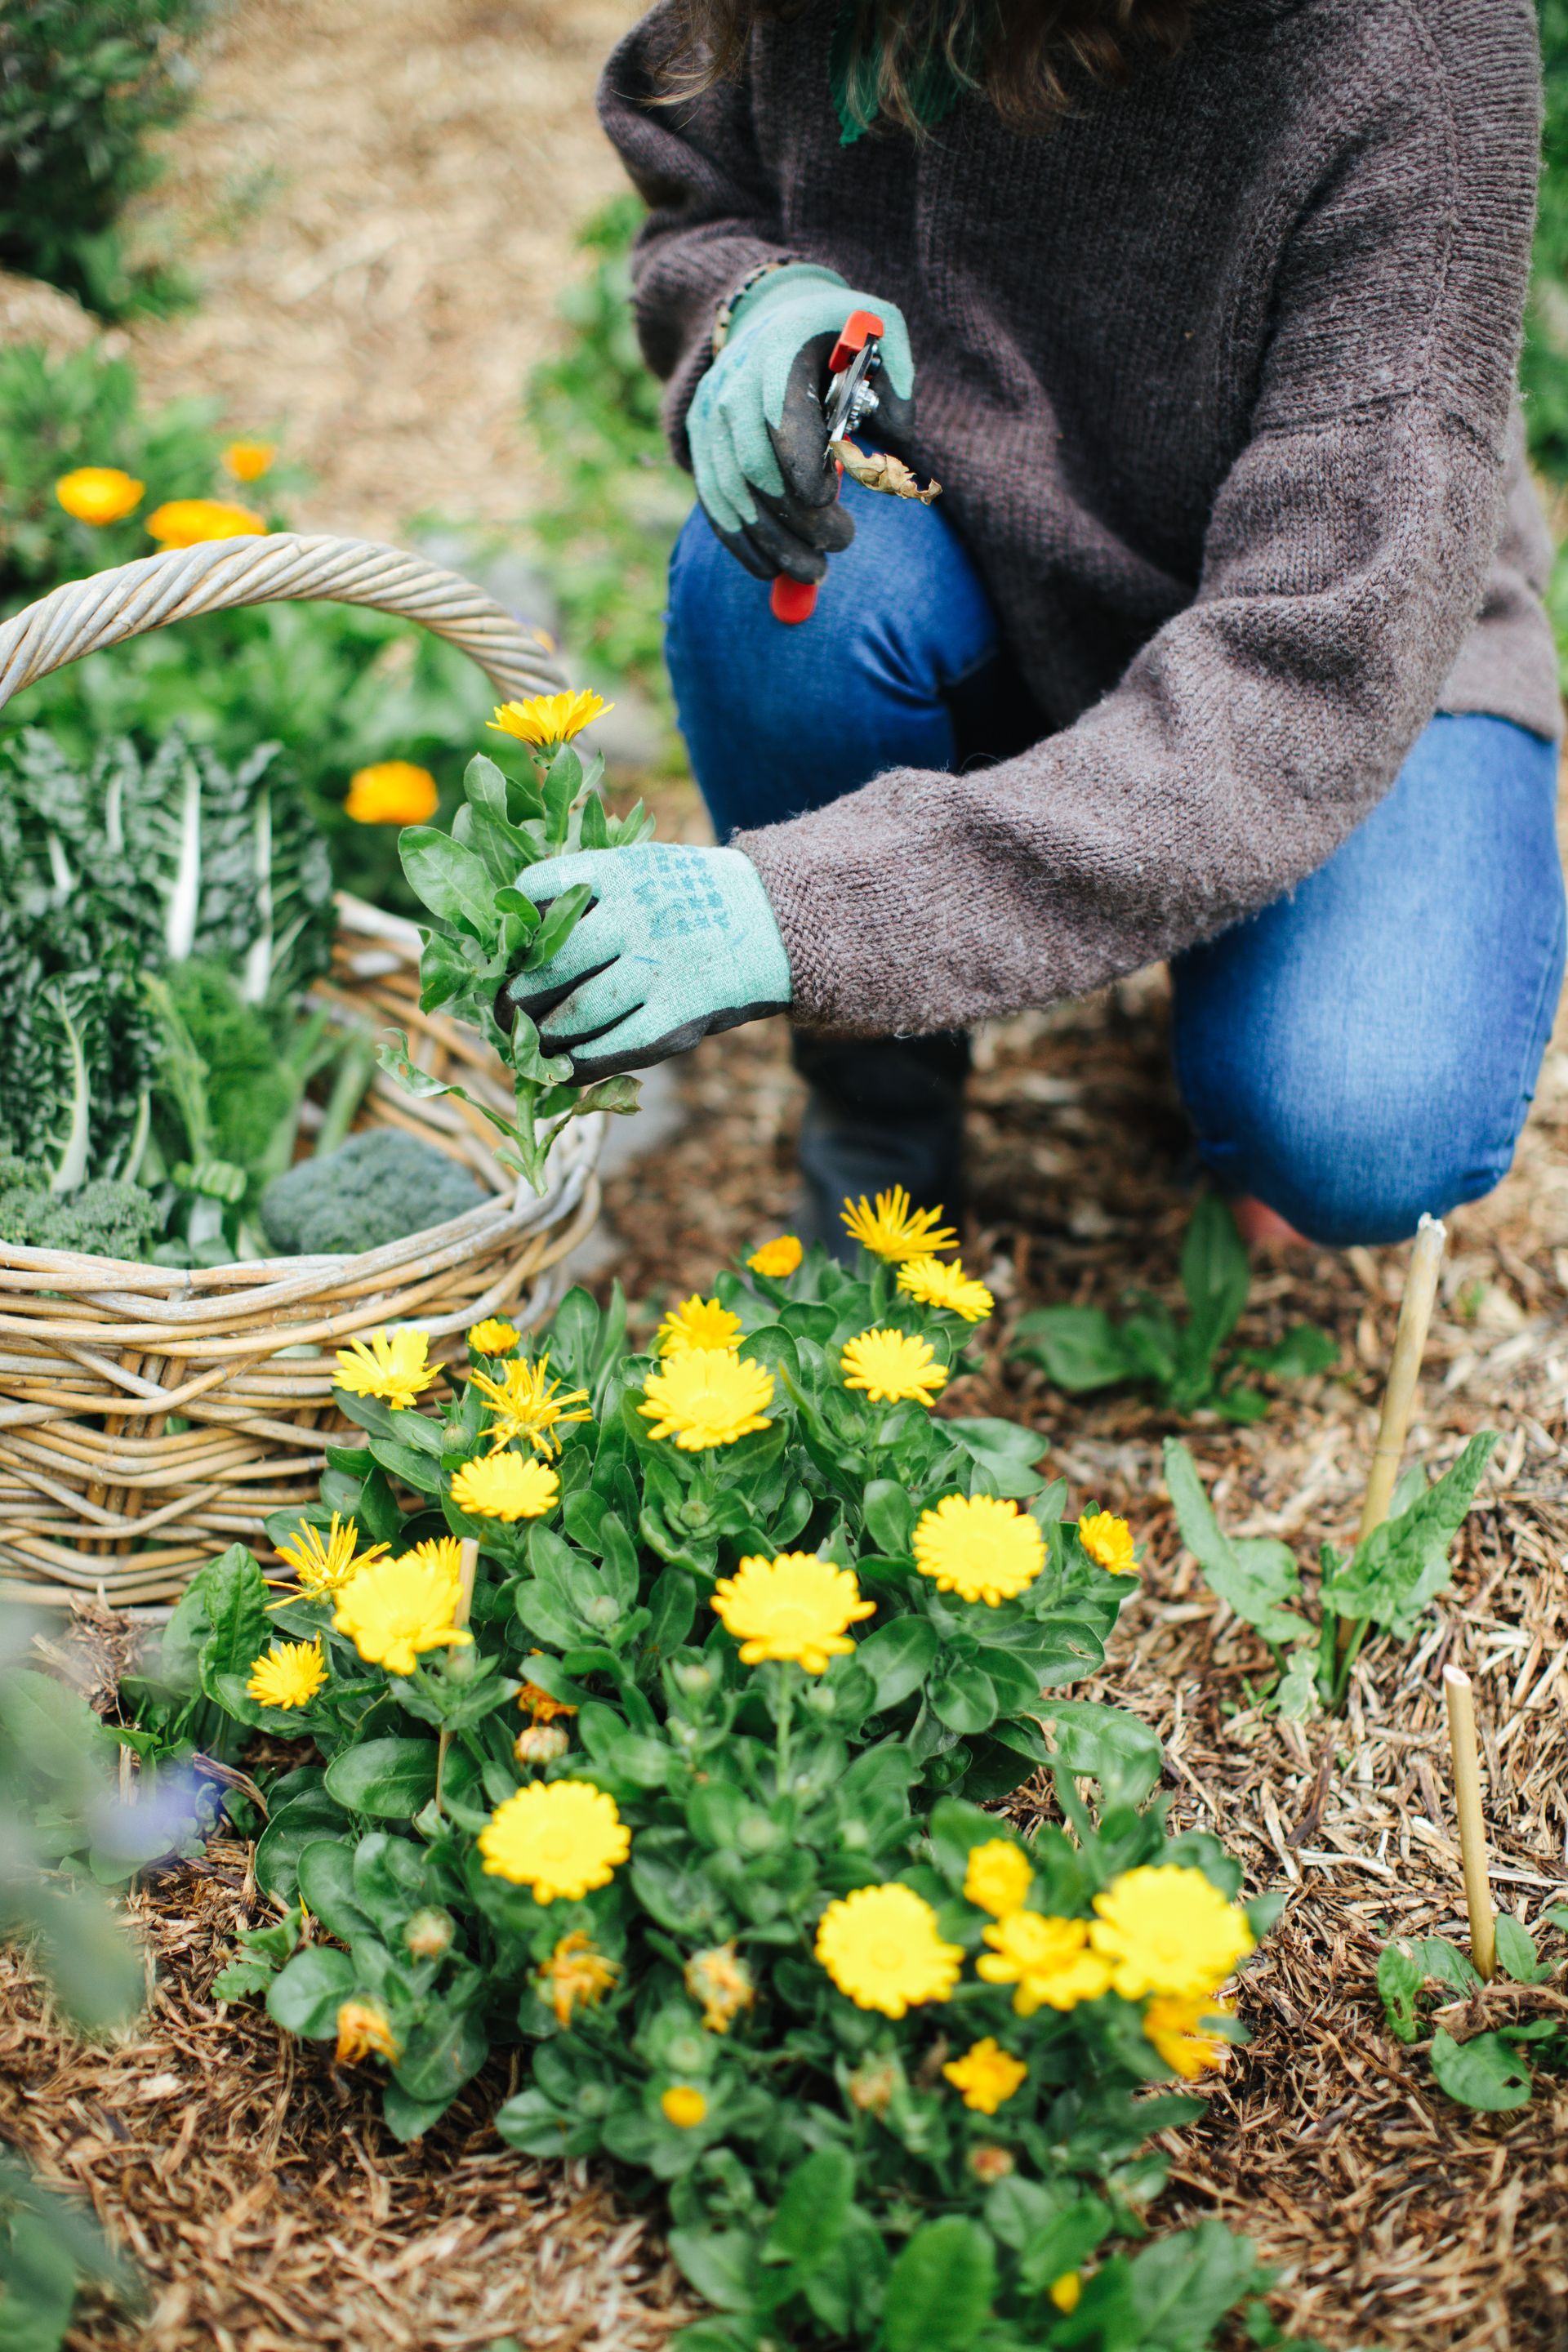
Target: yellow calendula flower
506	1487
561	1838
893	1229
707	1396
778	1258
721	1982
1066	2291
891	1368
881	1946
549	718
982	1547
249	460
98	494
391	1365
1164	1928
364	2030
684	2106
577	1975
697	1323
392	792
324	1568
1176	2030
1049	1960
288	1674
998	1877
793	1609
526	1402
493	1336
986	2075
186	522
935	1283
1108	1541
396	1610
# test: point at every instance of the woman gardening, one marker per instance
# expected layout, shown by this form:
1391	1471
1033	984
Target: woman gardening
1225	641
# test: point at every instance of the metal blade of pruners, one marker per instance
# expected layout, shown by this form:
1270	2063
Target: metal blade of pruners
851	395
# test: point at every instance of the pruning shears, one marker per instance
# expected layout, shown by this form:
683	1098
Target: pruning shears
852	362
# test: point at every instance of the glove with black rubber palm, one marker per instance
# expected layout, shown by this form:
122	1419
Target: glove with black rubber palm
758	431
678	942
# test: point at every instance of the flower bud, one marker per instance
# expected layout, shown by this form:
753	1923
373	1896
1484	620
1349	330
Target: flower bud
462	1663
692	1679
990	2163
540	1743
874	2085
429	1934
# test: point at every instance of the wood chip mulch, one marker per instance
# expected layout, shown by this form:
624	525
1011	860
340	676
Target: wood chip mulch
267	2207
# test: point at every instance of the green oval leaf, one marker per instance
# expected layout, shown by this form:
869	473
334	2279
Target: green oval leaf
391	1780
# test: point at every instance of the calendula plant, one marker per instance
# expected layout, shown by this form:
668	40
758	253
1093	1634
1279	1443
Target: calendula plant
1185	1362
652	1695
1489	2068
488	931
1387	1579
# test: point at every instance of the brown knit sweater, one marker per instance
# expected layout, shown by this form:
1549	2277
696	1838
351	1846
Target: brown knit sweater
1217	374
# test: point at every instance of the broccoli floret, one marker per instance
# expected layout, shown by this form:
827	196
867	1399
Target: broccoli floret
381	1185
107	1218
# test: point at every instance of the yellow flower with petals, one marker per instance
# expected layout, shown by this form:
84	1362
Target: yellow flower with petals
397	1608
1065	2292
249	460
325	1568
288	1674
392	792
777	1259
793	1609
561	1838
684	2106
549	718
493	1336
1176	2030
1164	1928
982	1547
881	1946
186	522
892	1368
1108	1541
391	1365
986	2075
720	1980
506	1487
697	1323
896	1230
98	494
998	1877
364	2030
1049	1960
526	1402
577	1975
707	1396
935	1283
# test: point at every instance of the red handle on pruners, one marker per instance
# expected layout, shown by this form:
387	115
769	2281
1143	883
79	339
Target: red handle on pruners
792	600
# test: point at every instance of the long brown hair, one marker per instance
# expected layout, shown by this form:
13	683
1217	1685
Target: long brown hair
1023	54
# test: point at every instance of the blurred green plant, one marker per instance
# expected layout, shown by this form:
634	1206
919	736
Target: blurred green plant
605	537
84	84
1543	369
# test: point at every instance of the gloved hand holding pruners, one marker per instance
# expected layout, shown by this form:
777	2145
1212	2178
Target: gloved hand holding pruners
678	942
757	427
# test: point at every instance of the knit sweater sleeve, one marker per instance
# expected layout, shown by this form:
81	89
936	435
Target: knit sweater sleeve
712	222
1348	552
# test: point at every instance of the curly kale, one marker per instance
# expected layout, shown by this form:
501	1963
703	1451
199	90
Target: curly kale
381	1185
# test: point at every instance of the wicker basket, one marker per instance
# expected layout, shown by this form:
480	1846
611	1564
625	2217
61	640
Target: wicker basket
149	1416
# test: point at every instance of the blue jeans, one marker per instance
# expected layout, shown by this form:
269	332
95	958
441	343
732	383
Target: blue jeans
1364	1049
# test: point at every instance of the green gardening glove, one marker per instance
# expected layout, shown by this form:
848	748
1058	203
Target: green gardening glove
677	943
757	430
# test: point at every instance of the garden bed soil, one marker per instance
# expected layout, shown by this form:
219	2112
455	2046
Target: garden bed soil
266	2205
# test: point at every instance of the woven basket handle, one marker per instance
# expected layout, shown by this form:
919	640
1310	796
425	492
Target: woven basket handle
83	617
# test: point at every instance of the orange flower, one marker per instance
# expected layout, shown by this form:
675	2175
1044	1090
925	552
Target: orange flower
249	460
98	494
392	792
186	522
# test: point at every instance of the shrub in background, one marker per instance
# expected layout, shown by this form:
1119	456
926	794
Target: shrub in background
84	84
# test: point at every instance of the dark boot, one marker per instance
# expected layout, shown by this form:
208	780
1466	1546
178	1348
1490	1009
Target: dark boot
881	1111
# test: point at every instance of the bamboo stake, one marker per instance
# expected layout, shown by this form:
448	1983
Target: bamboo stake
467	1562
1460	1697
1398	1404
1404	1371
